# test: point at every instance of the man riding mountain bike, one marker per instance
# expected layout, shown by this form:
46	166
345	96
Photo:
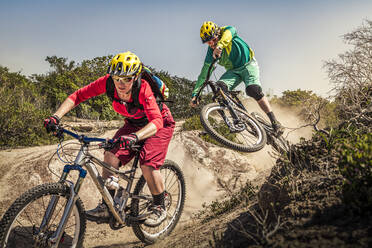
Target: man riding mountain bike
146	121
240	64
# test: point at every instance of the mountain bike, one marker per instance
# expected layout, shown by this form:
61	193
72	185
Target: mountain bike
53	215
227	120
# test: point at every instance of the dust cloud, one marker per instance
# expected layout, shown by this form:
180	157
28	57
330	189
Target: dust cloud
201	185
288	117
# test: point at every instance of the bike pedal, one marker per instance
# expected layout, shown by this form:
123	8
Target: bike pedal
129	220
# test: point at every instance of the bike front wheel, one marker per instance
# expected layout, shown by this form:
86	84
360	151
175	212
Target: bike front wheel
175	194
20	225
243	134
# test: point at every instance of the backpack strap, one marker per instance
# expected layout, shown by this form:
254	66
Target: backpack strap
135	93
110	90
147	75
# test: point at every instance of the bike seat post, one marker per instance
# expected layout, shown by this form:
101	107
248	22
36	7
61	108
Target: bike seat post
137	150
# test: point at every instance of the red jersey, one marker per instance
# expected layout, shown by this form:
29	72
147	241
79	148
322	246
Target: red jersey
146	98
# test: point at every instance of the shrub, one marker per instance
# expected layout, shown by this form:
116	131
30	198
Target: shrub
241	198
22	112
356	167
192	123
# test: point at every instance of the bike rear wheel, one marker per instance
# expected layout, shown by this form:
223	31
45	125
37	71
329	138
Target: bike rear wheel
279	143
250	137
20	224
175	189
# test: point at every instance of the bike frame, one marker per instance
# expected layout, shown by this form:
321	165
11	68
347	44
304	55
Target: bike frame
224	98
87	160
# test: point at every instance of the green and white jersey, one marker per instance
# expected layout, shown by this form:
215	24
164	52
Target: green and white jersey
235	54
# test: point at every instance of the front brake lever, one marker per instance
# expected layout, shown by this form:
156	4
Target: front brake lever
58	132
107	145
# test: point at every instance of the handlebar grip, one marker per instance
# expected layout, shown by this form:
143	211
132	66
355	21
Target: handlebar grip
108	145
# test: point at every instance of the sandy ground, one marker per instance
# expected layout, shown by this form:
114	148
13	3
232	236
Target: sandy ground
208	170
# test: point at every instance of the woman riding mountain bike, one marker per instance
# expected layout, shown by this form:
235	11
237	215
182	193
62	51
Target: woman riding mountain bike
150	123
240	64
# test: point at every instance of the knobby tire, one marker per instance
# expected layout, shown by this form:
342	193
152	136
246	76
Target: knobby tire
172	176
254	129
33	195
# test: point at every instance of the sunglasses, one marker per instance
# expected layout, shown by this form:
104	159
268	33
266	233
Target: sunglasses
124	79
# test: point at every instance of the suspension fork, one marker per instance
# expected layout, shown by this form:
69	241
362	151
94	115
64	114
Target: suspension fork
57	235
227	103
51	207
74	189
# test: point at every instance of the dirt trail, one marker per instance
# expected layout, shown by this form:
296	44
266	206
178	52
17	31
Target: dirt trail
210	172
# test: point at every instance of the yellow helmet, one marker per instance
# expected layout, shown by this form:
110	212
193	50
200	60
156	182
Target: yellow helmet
125	64
207	31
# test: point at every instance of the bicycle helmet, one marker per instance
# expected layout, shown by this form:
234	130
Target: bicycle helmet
125	64
208	31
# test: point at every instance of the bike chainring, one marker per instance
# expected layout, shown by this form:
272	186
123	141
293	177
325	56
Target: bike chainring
114	225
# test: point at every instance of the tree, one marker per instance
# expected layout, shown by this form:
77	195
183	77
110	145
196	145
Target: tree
351	75
22	111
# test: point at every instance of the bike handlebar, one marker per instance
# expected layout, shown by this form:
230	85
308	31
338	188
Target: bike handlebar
106	144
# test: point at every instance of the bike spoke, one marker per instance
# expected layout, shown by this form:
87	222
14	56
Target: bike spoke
55	216
28	218
173	183
23	227
233	127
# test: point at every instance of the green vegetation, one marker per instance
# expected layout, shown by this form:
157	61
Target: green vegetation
22	111
27	101
356	168
311	106
192	123
218	207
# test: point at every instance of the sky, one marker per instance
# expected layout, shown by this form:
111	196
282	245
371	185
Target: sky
291	39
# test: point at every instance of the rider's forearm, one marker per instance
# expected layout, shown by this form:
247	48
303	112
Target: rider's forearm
201	79
147	131
65	107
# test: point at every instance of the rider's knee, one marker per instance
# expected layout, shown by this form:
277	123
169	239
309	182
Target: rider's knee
222	85
111	159
254	91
